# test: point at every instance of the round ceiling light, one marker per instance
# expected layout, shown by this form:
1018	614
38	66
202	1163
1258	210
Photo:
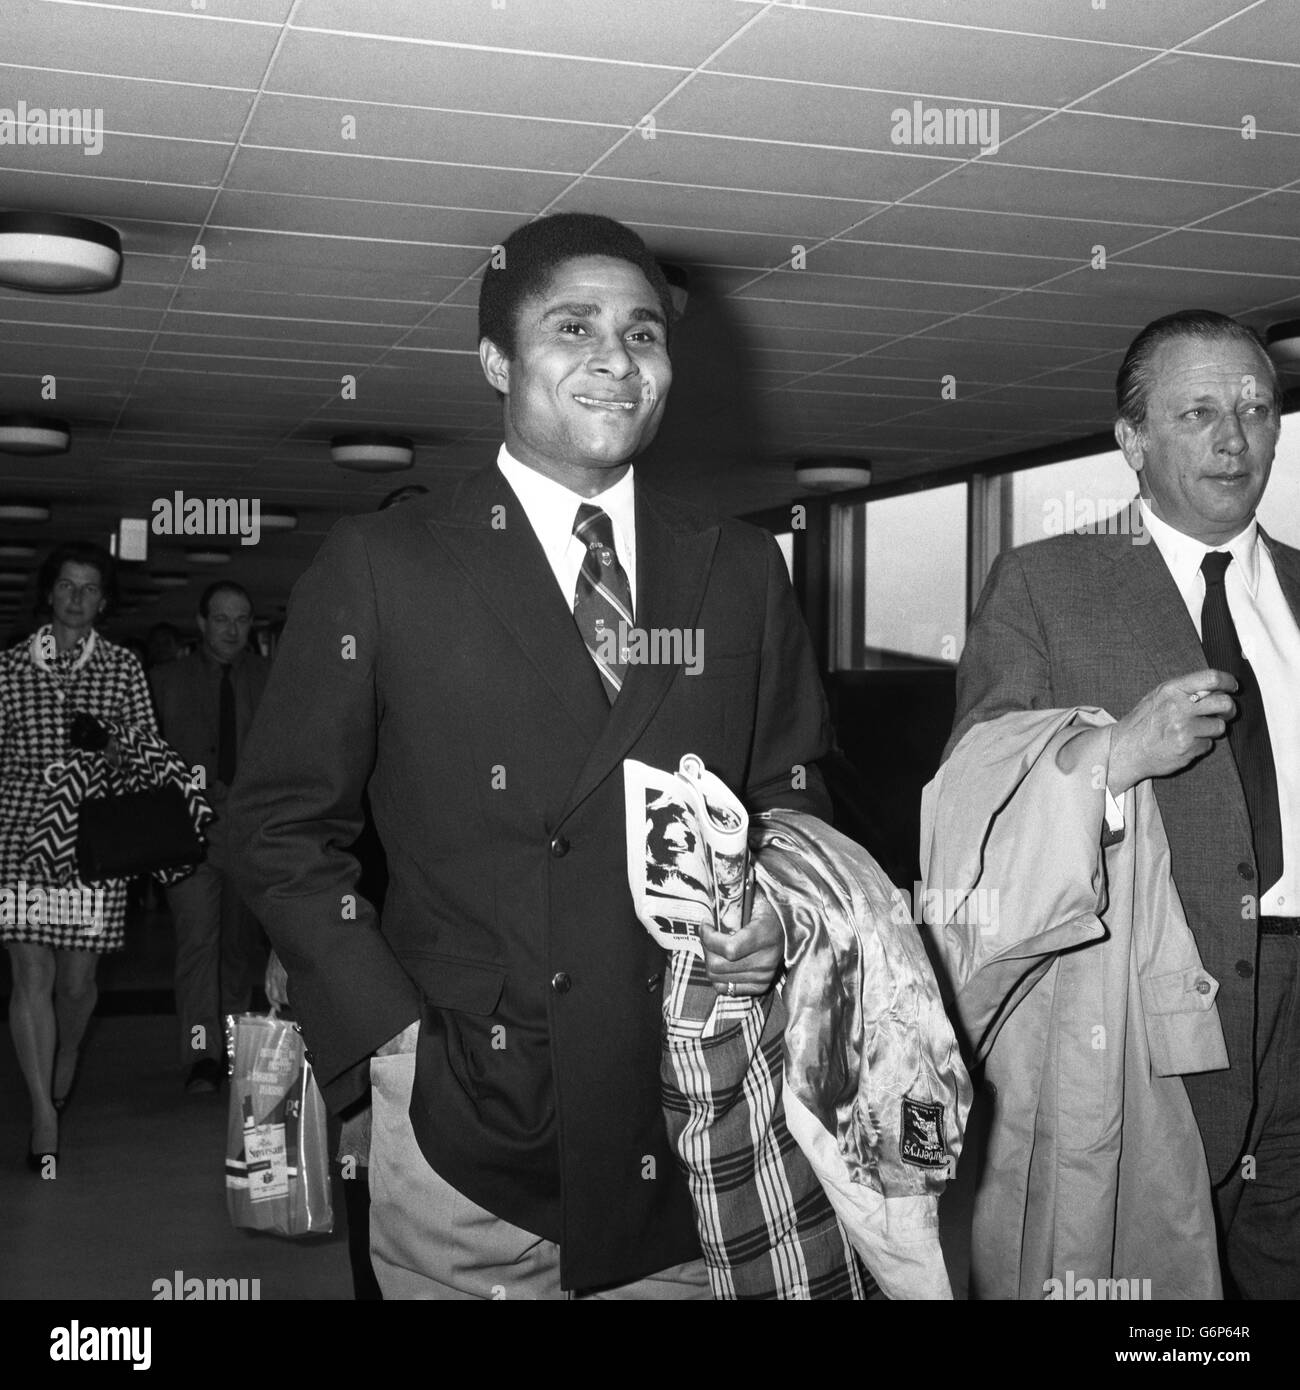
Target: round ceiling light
372	453
33	434
24	511
832	474
53	254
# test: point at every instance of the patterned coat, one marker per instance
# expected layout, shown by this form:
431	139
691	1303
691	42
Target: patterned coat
36	709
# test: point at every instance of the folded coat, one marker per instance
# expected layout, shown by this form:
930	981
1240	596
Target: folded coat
856	1048
1079	985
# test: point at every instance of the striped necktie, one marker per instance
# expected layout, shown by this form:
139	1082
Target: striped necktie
602	600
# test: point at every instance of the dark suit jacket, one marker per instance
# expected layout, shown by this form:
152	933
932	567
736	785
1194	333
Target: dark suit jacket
1095	619
186	695
430	653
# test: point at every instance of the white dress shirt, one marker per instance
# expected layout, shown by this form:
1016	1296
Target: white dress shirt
1270	641
551	508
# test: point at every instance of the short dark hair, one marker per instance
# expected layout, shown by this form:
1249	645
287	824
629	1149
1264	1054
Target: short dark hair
530	255
222	586
1134	383
77	553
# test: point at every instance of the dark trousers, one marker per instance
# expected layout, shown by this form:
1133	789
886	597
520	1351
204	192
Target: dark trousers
1258	1208
220	955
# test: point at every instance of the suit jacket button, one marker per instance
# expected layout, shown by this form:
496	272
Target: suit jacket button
1203	986
1245	969
1246	870
653	983
559	847
561	983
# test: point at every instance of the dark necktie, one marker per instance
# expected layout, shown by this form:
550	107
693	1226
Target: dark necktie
226	729
1248	733
602	599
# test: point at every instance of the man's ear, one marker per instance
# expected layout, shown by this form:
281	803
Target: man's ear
1130	443
496	365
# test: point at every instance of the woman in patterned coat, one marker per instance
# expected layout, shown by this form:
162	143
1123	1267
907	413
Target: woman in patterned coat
55	938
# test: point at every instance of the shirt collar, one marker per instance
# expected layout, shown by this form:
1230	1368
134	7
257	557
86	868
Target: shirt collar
1183	553
551	506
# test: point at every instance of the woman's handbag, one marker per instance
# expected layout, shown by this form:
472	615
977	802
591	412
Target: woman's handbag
135	833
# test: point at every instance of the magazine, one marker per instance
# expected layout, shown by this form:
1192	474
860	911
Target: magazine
687	852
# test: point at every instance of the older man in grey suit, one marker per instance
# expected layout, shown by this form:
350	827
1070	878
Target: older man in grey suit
1199	661
205	706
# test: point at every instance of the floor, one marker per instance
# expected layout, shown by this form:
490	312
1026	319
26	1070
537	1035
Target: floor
140	1188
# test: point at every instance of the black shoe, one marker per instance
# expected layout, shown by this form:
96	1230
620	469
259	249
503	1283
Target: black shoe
204	1078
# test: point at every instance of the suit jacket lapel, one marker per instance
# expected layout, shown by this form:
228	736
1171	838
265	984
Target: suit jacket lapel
673	563
1145	593
488	535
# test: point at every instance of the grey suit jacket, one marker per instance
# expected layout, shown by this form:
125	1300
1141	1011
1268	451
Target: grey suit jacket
1096	619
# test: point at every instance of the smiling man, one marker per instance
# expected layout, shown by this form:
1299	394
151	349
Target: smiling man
446	655
1192	643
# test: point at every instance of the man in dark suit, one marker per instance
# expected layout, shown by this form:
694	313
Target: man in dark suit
448	656
1132	618
205	708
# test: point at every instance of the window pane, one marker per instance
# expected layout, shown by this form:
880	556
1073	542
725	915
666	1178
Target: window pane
915	610
1061	497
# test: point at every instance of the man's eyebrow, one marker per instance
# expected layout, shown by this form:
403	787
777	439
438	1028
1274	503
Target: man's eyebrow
643	314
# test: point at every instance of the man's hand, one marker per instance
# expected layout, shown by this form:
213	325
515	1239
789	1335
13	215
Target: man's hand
1169	727
749	958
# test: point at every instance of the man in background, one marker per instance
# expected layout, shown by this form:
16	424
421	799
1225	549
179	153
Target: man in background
205	704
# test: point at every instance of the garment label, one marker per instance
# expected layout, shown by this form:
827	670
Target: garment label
268	1166
921	1144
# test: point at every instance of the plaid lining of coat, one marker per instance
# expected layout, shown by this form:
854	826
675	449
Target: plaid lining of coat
766	1227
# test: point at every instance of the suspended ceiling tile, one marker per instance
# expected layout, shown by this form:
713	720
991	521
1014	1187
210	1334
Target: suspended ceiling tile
1269	32
803	113
749	164
1156	150
722	209
1000	188
1115	23
418	182
967	65
1207	91
181	47
136	157
439	136
998	269
672	32
518	84
811	287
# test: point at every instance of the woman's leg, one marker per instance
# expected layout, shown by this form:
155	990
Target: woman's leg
75	993
31	1022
